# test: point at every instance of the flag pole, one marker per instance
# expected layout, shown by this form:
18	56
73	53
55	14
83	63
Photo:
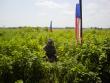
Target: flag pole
80	1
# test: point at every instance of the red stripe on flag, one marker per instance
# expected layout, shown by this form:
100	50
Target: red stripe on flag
77	29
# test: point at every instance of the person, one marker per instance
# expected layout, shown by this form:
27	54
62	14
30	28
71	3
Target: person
50	50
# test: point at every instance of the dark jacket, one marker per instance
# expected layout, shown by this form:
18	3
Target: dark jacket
50	50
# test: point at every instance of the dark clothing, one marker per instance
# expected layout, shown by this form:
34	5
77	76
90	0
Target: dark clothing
50	52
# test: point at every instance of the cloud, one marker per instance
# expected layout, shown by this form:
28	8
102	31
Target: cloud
47	4
96	13
60	12
53	6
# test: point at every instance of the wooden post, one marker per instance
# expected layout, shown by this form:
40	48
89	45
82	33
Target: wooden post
51	26
81	32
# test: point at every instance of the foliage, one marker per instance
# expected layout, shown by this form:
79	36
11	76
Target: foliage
21	56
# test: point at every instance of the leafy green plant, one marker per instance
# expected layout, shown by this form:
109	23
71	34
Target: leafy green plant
21	56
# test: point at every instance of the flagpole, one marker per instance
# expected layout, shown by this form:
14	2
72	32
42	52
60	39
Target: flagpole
80	1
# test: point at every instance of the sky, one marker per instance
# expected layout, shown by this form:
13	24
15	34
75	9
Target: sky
14	13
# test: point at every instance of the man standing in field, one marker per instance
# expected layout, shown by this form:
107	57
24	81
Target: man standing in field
50	50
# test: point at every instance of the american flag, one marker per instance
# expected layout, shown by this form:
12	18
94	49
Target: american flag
77	24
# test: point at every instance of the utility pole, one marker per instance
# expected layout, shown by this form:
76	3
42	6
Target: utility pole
80	1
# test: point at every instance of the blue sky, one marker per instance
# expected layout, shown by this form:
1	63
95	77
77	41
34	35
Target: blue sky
96	13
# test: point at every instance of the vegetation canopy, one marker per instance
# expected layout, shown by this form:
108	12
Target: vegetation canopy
21	56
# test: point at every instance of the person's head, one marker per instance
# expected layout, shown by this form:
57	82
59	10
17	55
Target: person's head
50	42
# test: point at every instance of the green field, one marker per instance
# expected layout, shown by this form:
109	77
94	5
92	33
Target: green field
21	56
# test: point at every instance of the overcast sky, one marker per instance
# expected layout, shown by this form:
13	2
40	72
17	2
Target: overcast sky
96	13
